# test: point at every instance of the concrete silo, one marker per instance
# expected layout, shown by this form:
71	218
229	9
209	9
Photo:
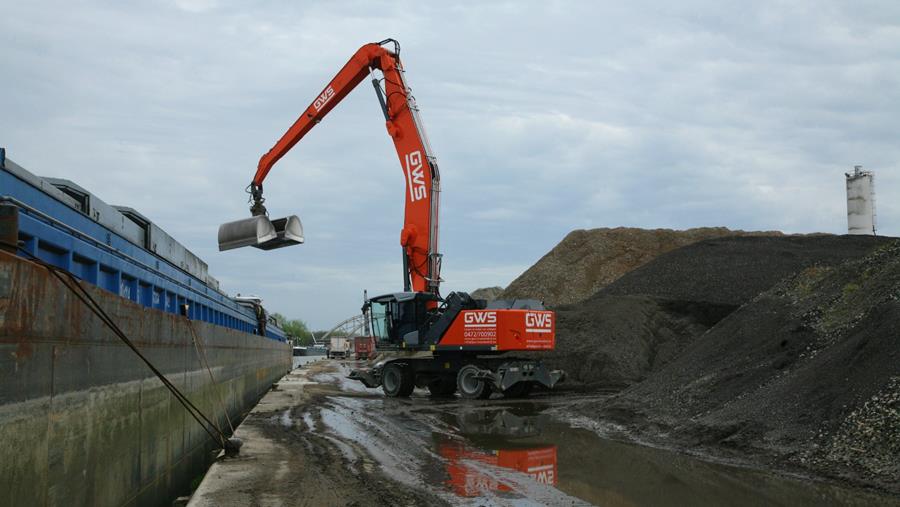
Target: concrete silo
860	201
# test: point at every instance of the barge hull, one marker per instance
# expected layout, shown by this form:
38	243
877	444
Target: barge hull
84	422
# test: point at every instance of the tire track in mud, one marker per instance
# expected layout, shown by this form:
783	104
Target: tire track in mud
324	469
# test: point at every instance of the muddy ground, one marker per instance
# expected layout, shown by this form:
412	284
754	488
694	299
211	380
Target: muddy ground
287	461
318	439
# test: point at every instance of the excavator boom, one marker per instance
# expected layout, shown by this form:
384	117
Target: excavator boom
419	235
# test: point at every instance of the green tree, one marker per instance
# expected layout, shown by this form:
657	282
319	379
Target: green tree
295	328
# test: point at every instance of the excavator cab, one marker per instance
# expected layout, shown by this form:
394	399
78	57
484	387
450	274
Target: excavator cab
399	319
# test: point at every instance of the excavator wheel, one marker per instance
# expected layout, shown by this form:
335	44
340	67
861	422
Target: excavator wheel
442	387
470	386
397	381
519	390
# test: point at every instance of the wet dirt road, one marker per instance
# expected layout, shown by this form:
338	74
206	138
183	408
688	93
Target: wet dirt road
372	450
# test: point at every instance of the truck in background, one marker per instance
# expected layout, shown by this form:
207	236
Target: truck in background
363	347
338	347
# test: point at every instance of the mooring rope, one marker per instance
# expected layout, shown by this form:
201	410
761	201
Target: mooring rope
200	347
85	297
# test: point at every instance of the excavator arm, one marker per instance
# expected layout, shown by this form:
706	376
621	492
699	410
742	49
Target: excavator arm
419	235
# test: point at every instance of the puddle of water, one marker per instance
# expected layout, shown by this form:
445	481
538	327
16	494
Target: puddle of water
340	379
286	420
417	446
303	360
521	453
536	450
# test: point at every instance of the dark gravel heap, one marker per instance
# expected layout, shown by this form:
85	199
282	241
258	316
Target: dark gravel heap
638	323
806	375
585	261
733	270
618	340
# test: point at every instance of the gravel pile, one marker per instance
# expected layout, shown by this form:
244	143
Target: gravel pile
731	271
618	340
869	437
587	260
805	375
637	324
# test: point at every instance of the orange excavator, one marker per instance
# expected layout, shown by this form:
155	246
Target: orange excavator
447	344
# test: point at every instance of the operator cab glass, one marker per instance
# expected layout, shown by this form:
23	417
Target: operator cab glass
396	318
380	313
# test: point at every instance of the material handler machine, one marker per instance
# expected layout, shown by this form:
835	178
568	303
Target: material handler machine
447	344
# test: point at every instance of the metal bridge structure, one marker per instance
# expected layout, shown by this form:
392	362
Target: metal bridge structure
352	326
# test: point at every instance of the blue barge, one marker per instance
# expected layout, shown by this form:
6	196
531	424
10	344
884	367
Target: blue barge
83	421
120	250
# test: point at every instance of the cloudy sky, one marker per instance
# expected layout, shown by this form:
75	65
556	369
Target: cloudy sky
545	117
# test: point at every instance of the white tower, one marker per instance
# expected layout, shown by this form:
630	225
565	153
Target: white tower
860	201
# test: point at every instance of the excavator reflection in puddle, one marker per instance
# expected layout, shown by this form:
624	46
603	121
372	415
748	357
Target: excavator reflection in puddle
495	444
471	470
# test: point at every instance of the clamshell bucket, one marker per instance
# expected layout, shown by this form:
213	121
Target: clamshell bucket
288	231
260	232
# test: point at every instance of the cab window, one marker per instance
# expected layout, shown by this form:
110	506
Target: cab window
379	314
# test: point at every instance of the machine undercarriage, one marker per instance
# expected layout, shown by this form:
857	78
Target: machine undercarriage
472	376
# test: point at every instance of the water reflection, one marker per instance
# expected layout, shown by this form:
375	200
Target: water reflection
516	450
475	465
471	472
499	423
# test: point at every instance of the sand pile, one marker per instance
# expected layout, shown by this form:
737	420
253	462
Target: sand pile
487	293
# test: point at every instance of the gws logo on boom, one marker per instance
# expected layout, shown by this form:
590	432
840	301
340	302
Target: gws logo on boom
323	99
415	176
538	322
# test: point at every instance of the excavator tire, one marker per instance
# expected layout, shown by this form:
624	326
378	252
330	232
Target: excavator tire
470	386
397	381
519	390
442	387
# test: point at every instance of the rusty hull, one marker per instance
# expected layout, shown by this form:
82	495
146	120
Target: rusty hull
83	421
